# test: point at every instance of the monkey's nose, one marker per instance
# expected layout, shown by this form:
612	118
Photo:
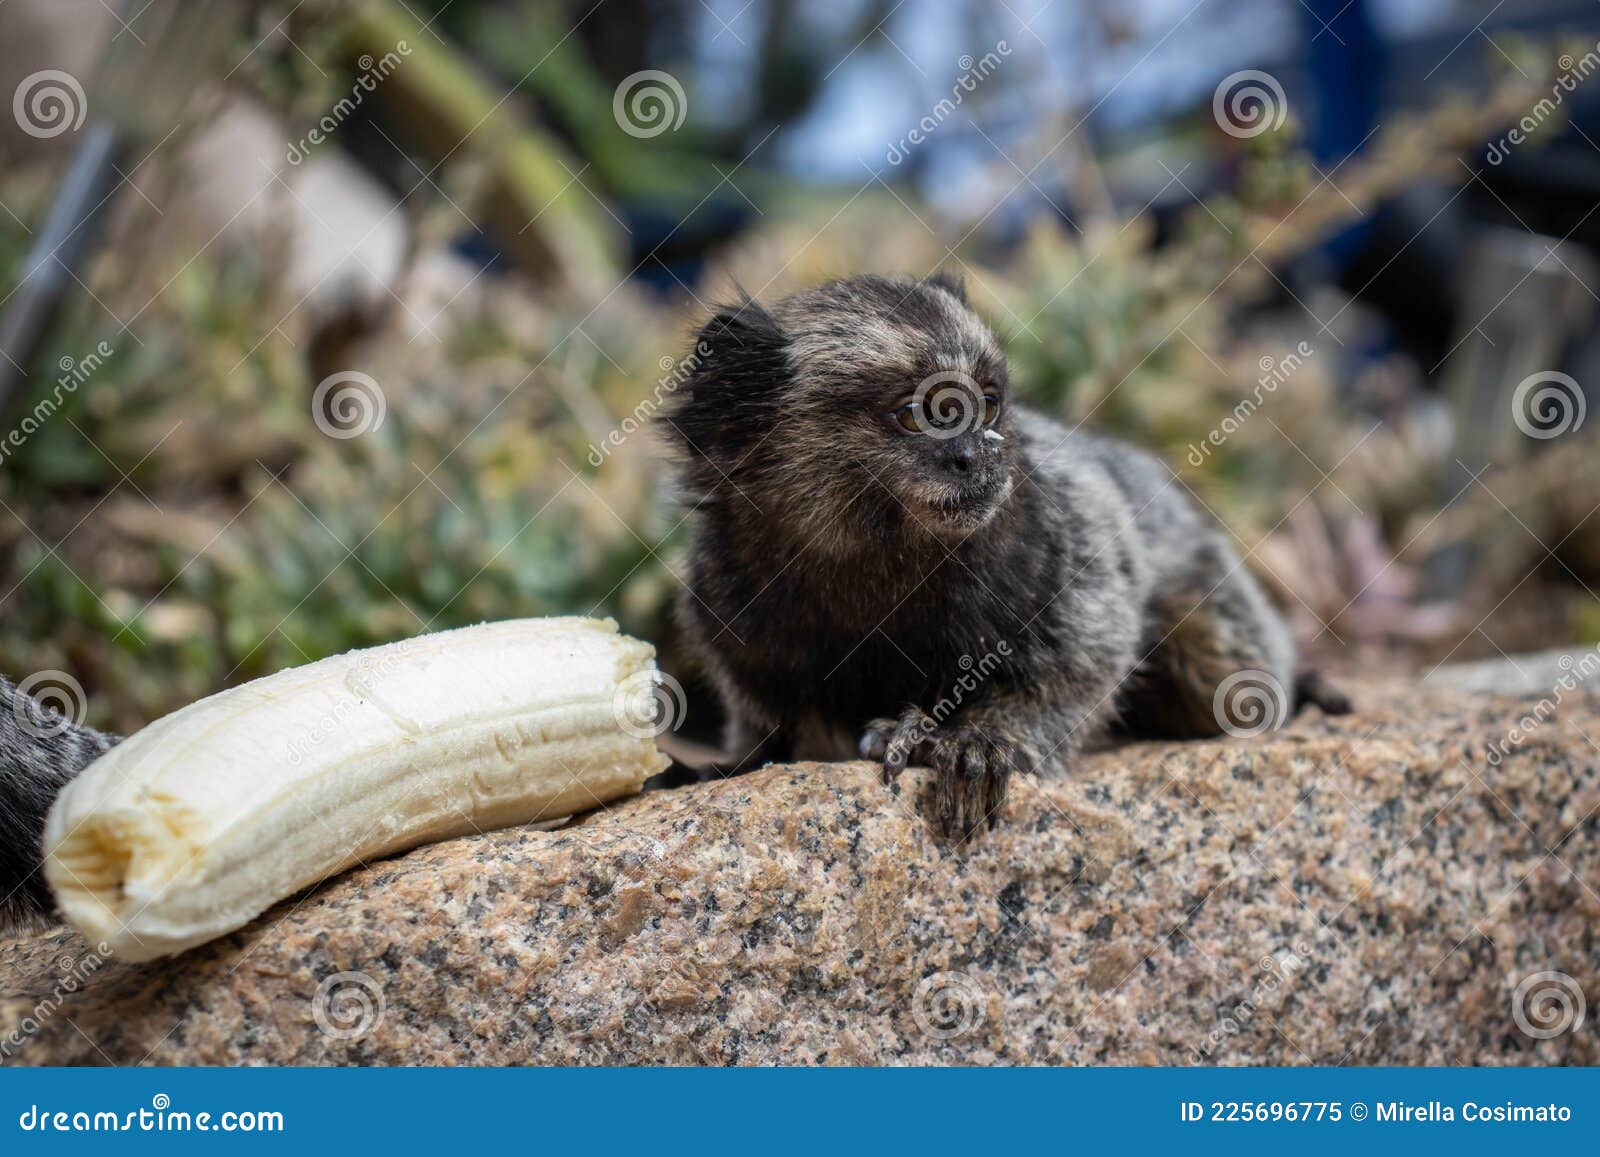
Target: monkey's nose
963	456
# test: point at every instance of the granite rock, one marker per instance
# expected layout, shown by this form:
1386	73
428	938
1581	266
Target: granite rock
1402	886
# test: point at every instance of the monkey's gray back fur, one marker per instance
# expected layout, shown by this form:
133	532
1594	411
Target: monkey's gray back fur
1201	615
40	752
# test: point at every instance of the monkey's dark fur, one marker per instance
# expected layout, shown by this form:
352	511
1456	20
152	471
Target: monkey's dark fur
980	603
40	752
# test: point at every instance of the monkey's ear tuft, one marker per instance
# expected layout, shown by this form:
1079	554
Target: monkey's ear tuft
952	283
739	353
736	369
736	332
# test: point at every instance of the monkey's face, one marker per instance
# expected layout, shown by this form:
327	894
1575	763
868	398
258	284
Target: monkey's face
865	407
908	389
945	446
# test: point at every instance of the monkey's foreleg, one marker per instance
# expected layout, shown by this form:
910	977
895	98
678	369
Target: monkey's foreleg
975	753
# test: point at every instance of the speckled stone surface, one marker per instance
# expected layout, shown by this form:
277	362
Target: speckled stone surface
1367	890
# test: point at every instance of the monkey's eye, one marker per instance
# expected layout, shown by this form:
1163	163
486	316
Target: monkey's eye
991	409
909	418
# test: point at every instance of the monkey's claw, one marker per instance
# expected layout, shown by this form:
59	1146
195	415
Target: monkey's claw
972	767
898	743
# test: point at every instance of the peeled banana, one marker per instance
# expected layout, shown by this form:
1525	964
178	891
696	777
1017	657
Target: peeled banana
203	820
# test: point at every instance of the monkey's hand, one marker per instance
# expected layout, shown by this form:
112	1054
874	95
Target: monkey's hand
972	765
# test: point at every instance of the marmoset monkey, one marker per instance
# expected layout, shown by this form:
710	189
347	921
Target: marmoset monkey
889	557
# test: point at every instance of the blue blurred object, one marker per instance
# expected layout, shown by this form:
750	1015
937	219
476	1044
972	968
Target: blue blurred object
669	251
1346	62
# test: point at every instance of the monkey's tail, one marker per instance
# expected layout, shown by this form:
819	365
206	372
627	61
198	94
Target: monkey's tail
40	752
1311	688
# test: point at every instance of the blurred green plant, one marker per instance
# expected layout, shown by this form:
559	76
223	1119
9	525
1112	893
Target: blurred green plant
182	512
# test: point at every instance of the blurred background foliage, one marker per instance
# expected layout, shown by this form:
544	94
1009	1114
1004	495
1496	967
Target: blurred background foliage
483	236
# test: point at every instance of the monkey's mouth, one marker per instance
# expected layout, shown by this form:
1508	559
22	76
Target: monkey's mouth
960	511
956	507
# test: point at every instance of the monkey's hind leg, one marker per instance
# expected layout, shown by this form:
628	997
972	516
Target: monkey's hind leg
1219	657
1311	688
